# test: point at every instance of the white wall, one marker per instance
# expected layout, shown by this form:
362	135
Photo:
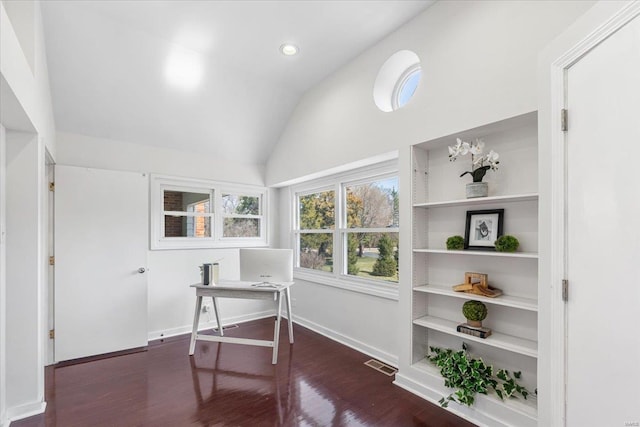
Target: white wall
26	104
3	275
366	323
171	301
479	65
22	16
26	72
81	150
24	308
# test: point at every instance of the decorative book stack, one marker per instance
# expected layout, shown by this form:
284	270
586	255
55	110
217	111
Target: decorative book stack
476	331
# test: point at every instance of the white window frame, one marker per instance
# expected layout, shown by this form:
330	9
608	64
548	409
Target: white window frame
261	195
338	183
159	183
402	81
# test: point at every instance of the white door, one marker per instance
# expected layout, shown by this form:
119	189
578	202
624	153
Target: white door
101	253
603	226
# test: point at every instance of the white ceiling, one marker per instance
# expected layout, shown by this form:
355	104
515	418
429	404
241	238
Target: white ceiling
107	64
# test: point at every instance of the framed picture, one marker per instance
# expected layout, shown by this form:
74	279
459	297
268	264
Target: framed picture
483	228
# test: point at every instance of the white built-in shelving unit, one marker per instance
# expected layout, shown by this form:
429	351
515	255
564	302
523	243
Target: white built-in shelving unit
437	210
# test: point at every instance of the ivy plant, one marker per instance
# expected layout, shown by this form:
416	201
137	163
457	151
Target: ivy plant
470	376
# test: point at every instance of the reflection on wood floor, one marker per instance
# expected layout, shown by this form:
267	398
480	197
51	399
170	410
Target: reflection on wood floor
317	382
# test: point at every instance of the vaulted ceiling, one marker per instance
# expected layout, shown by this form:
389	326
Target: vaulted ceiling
204	76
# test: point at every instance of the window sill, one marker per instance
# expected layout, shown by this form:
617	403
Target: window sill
381	290
208	244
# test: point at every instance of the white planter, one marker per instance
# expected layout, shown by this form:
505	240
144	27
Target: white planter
477	189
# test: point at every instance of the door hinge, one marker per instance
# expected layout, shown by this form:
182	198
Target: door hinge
52	260
565	290
52	186
564	120
52	334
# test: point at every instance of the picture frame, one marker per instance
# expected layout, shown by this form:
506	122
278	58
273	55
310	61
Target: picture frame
482	229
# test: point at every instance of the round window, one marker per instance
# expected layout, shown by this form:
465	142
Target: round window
397	81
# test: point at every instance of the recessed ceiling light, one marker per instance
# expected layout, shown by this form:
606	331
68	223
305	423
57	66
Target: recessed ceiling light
289	49
183	68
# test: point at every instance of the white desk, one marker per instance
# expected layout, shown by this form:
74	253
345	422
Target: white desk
245	290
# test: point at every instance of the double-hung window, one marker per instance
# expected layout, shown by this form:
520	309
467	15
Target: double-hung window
187	213
346	230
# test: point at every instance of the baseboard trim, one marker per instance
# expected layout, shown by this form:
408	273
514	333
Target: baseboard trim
166	333
355	344
24	411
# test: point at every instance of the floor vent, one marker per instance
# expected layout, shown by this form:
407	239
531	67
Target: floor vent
225	327
381	367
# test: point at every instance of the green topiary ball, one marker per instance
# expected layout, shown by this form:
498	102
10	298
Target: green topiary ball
455	243
507	243
474	310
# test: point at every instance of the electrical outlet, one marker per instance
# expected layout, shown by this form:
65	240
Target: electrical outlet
206	308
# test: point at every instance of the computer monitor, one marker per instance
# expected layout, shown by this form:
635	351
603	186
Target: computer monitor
266	265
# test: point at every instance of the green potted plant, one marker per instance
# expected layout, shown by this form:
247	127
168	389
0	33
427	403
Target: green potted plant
470	376
455	243
475	312
480	164
507	243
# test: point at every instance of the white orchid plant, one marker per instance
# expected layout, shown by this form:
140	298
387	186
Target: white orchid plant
480	163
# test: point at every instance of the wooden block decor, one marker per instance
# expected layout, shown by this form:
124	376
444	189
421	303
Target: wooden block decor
477	284
476	278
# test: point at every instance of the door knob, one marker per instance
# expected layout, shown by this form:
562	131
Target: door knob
141	270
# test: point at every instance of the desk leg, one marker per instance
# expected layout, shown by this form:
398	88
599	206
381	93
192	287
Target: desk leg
289	315
217	310
196	320
276	332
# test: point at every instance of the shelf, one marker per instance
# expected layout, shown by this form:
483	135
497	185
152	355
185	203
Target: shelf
479	201
503	341
528	407
533	255
505	300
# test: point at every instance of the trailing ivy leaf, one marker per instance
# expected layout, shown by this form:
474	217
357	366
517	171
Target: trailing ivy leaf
517	375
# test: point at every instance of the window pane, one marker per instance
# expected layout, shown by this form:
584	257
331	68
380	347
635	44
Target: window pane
317	211
316	251
183	201
241	205
187	226
373	205
373	255
409	87
241	227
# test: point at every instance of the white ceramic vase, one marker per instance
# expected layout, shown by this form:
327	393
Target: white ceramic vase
477	189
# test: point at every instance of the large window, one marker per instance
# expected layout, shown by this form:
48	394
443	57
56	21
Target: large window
316	225
346	229
203	214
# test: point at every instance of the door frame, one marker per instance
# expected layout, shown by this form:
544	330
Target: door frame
595	26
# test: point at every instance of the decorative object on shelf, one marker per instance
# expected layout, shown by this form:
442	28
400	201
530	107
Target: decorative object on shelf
480	164
475	312
507	243
470	376
477	284
455	243
483	228
480	332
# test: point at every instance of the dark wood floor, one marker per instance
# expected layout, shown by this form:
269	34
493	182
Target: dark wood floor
317	382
